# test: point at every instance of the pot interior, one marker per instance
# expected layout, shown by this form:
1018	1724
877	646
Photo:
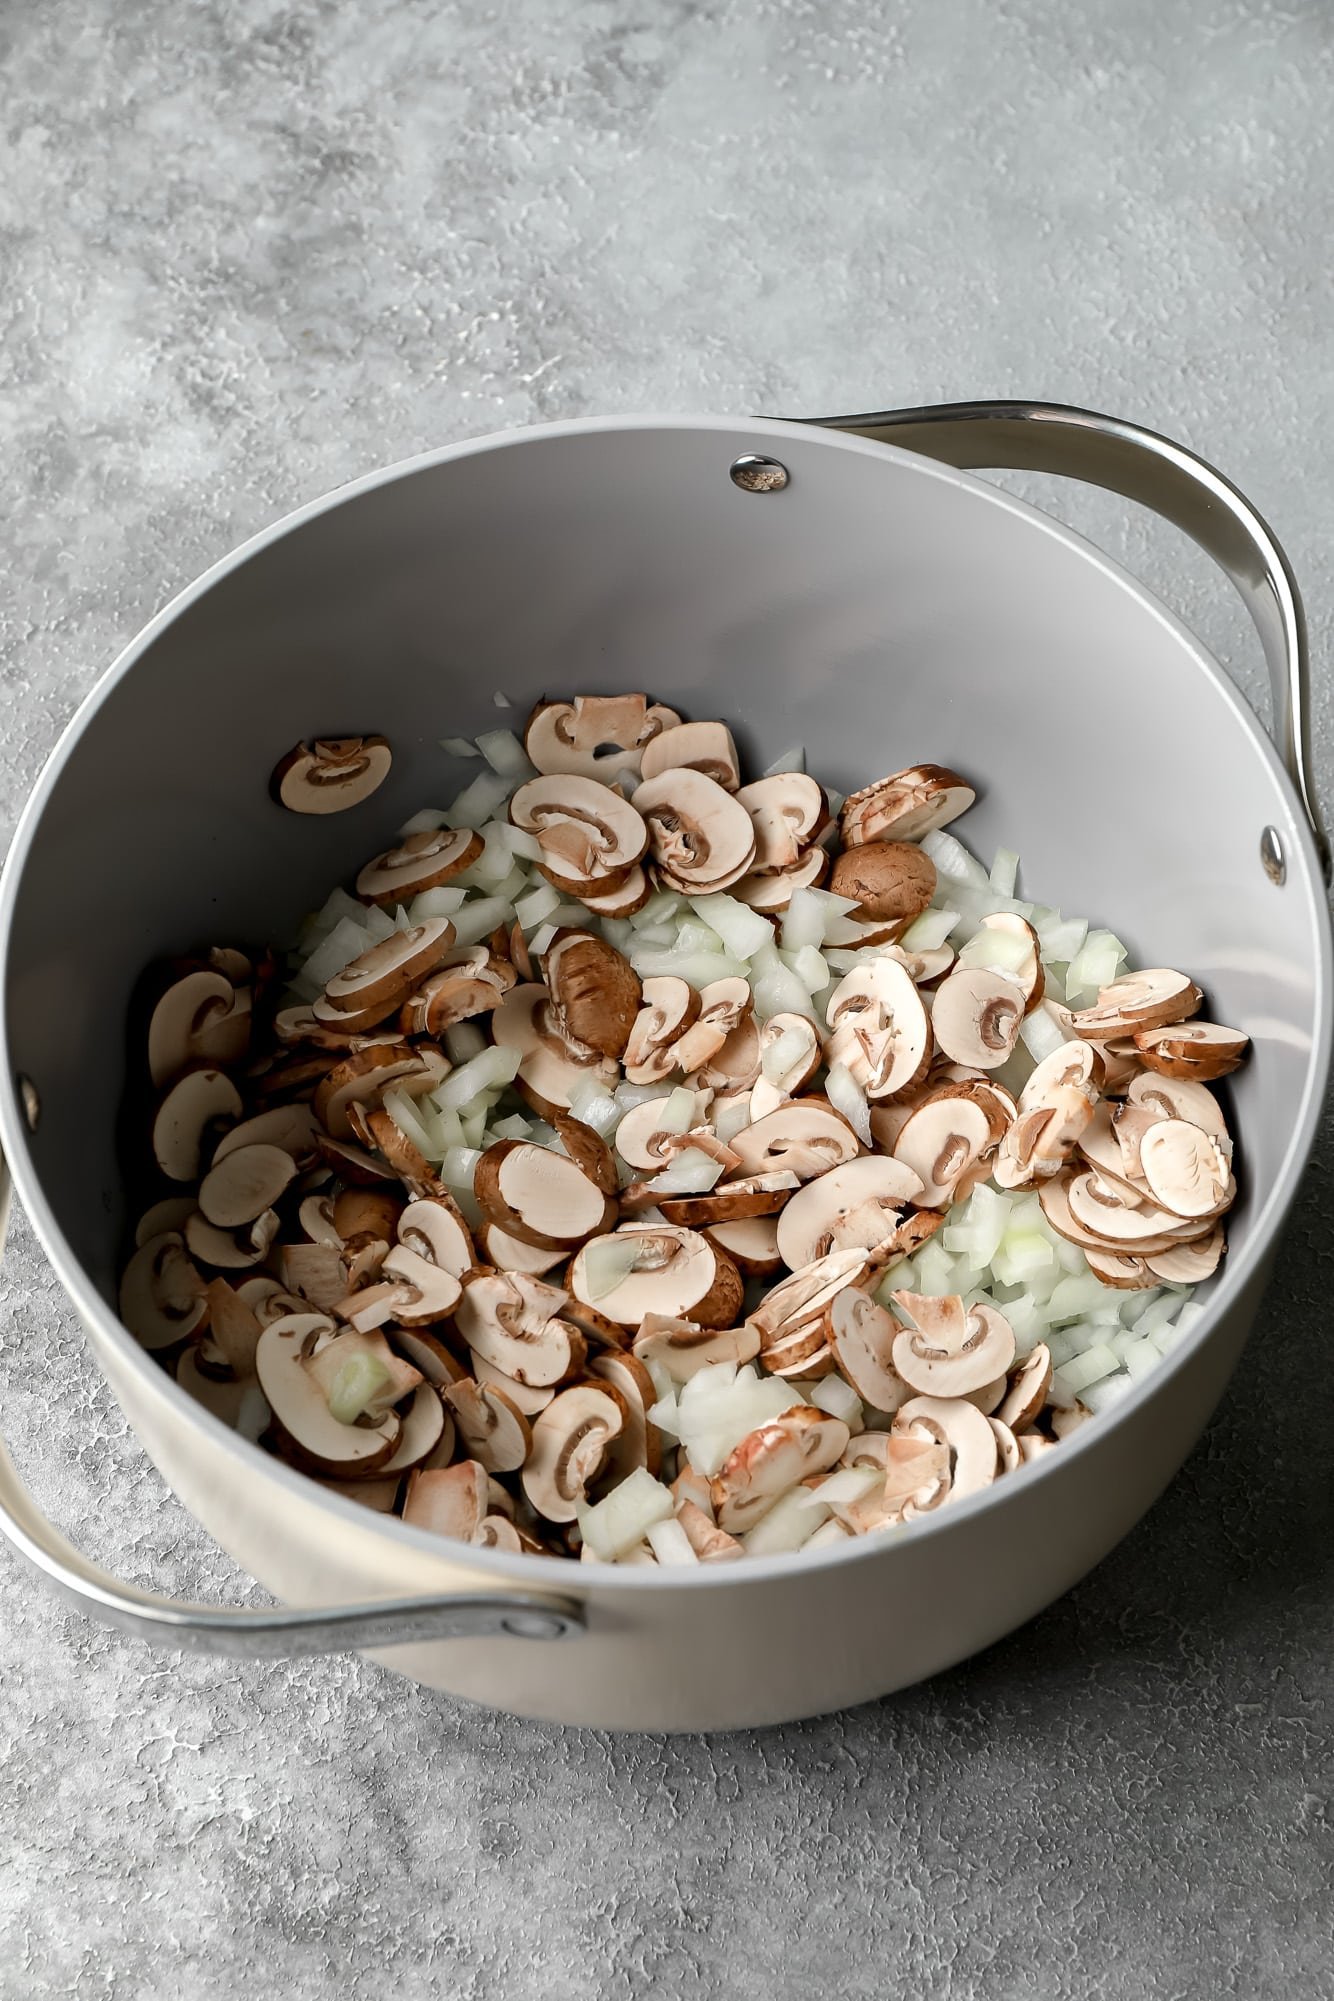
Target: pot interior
879	611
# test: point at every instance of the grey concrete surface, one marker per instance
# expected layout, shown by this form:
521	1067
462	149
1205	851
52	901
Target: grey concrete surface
249	250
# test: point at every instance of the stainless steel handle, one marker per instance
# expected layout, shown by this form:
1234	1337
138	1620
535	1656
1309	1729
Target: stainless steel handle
1143	466
265	1634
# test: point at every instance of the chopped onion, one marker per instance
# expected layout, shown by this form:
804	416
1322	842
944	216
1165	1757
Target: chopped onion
670	1543
405	1113
541	940
729	1120
780	992
483	1073
738	929
999	951
505	754
457	746
435	903
810	969
1004	871
464	1041
1041	1034
478	802
662	908
784	1055
513	1127
459	1165
615	1524
1095	966
1089	1367
692	1172
478	919
786	1525
953	861
720	1405
792	759
694	936
607	1262
501	699
846	1095
841	1488
346	942
537	904
839	1398
804	920
697	969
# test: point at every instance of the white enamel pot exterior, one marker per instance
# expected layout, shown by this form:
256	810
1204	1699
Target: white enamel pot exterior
879	609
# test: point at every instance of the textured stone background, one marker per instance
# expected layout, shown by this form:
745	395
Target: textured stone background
250	250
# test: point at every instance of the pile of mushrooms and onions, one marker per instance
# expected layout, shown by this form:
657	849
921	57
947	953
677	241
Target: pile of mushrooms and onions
637	1164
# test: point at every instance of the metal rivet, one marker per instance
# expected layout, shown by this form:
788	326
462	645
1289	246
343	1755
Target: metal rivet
1271	857
31	1103
754	474
533	1625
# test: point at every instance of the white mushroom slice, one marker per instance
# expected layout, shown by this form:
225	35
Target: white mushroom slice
800	1352
469	981
1024	1400
245	1183
421	861
799	1302
433	1228
751	1243
299	1401
331	773
622	901
754	1195
513	1322
292	1127
669	1007
880	1028
448	1500
1124	1273
640	1442
702	839
1032	1445
590	836
905	806
806	1137
977	1015
595	988
676	1272
424	1426
494	1430
428	1354
710	1543
424	1292
861	1334
1178	1098
1201	1050
231	1250
891	880
195	1107
790	1054
595	736
733	1067
315	1216
1096	1206
233	1326
1099	1146
201	1018
541	1197
1007	943
359	1213
527	1397
1186	1170
949	1349
855	1205
162	1295
771	894
499	1532
683	1347
706	747
170	1214
552	1065
1063	1422
788	812
382	977
571	1440
358	1372
942	1141
974	1453
1150	999
1131	1126
1074	1066
267	1299
641	1137
723	1005
1007	1446
293	1025
1185	1264
773	1459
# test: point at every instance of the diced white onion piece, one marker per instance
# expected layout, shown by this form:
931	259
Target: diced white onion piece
999	951
459	746
501	699
629	1095
541	939
804	920
839	1398
792	759
929	931
782	1056
697	969
728	1120
474	1119
607	1262
1021	1255
1095	966
1101	1395
846	1095
693	935
1005	871
692	1172
1041	1034
662	908
403	1111
479	801
478	919
953	861
495	863
505	754
536	904
1073	1297
491	1068
513	1127
459	1165
740	930
786	1525
670	1543
781	992
842	1487
346	942
613	1525
975	1227
1089	1367
441	902
721	1404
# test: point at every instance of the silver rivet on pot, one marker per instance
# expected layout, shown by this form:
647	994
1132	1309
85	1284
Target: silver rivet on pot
1271	856
31	1103
755	474
533	1625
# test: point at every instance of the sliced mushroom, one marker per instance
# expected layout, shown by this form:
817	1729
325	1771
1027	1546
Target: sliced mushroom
772	893
331	773
1100	1146
710	1543
706	747
595	988
949	1349
1007	1446
292	1127
861	1334
509	1253
200	1019
315	1272
553	1064
378	1130
1023	1401
225	1396
942	1141
1185	1169
589	835
857	1204
380	979
449	1500
365	1212
427	1436
905	806
622	901
1114	1219
880	1028
888	879
1150	999
669	1008
1019	958
790	1054
421	861
493	1429
433	1228
589	1151
773	1459
470	981
1186	1264
974	1453
296	1025
360	1079
641	1138
245	1183
640	1442
754	1195
701	837
1178	1098
676	1272
169	1214
231	1250
1123	1272
977	1015
162	1296
735	1066
751	1243
789	813
806	1137
799	1302
595	736
571	1440
298	1399
195	1108
683	1347
357	1368
512	1321
723	1005
1200	1050
539	1196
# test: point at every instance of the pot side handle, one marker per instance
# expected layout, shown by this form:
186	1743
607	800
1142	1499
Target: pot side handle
1142	466
266	1633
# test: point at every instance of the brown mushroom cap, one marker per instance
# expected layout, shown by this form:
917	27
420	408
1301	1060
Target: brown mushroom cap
855	1204
449	1500
381	978
331	774
771	1460
200	1019
571	1441
1199	1049
299	1402
706	747
589	1151
494	1430
553	1063
905	806
702	839
974	1453
420	861
590	836
880	1030
194	1107
243	1184
976	1016
541	1197
568	736
368	1212
950	1350
806	1136
595	988
788	812
512	1321
677	1273
889	879
162	1296
861	1334
1149	999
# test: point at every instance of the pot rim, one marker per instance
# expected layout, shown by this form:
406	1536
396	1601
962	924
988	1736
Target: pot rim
530	1572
